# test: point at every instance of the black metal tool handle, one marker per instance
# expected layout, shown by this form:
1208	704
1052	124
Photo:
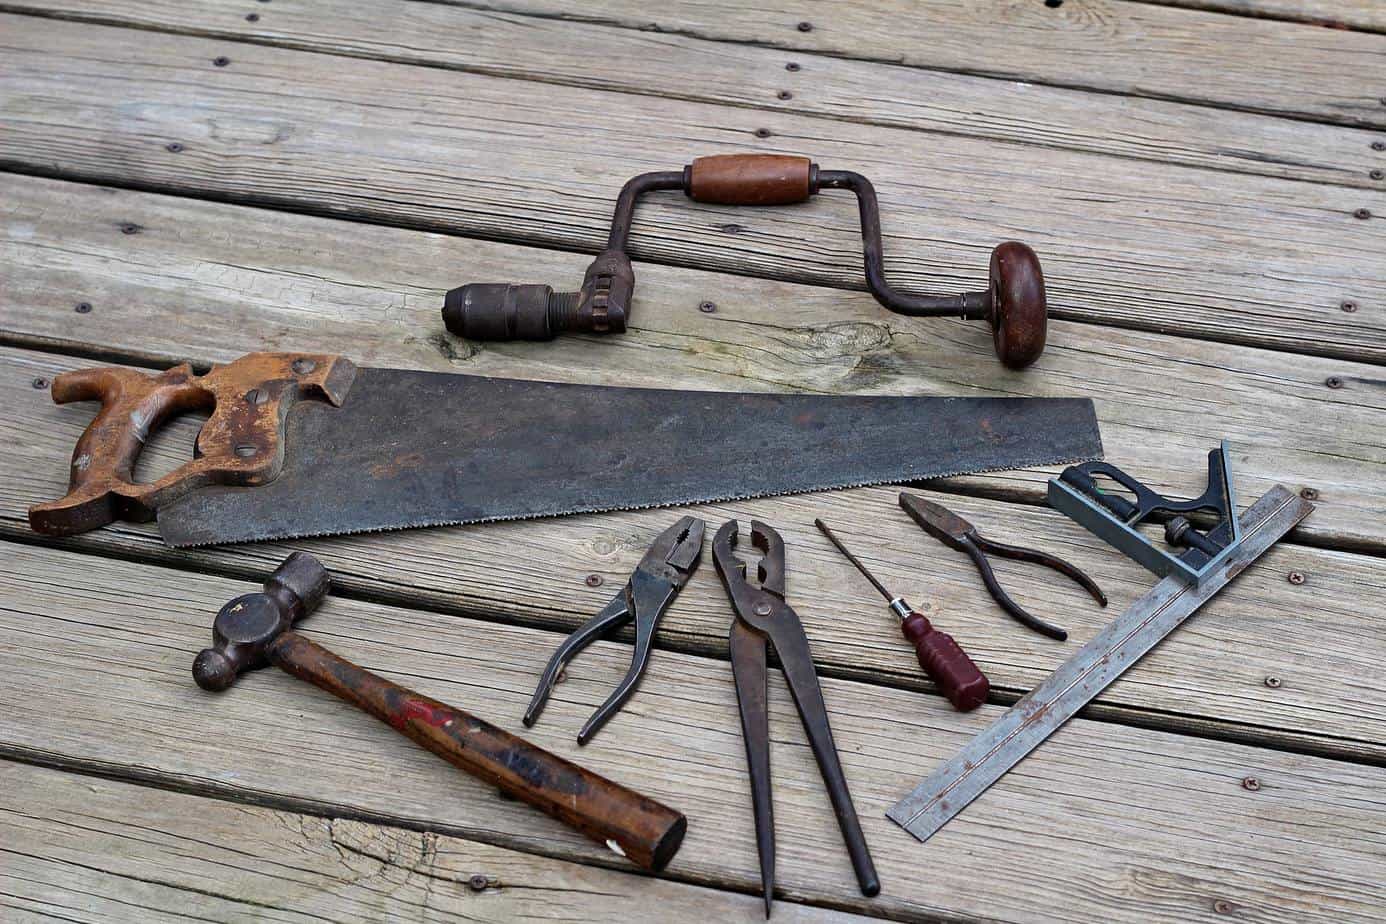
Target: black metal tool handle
1013	303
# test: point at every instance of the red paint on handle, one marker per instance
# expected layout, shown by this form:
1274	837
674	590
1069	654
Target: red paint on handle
946	664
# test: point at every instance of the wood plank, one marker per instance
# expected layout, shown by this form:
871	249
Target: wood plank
1121	823
1211	254
659	63
211	282
1368	15
81	848
534	574
1118	46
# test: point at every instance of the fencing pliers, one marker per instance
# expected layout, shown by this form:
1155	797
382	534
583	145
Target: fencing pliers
654	584
761	616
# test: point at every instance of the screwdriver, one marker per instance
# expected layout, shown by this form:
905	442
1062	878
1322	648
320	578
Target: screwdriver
943	659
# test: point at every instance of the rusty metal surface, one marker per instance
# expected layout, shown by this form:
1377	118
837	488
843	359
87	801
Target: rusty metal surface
425	449
985	759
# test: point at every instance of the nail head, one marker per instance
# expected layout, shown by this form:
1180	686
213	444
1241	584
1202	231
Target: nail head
762	133
1377	174
593	580
1362	214
173	147
83	308
1349	306
252	17
477	882
1379	145
221	60
805	27
1309	493
785	94
792	66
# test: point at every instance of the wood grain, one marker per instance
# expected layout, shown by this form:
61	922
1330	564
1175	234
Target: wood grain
1203	253
1130	48
667	64
80	848
1129	824
210	282
534	573
1368	15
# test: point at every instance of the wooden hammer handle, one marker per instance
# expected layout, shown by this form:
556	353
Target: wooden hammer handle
640	829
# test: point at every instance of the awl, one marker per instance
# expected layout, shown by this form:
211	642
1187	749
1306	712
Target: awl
309	444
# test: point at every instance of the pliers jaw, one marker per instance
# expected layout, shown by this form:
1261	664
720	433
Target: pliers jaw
676	553
769	572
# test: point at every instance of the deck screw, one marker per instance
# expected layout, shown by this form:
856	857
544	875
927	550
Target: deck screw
1295	577
40	382
304	366
1222	906
1251	784
707	307
129	228
805	27
1377	174
1309	493
245	450
221	60
1333	382
785	94
593	580
1349	306
252	17
1379	145
762	133
173	147
794	66
477	882
1363	214
83	308
1273	682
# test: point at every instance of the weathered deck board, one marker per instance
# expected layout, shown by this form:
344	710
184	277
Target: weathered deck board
1132	824
1368	15
533	574
1217	255
211	281
747	75
81	848
1123	47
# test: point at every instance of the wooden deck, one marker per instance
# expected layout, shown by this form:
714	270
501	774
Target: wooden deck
1203	179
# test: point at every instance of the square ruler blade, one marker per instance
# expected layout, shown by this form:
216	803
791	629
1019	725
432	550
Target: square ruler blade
1088	672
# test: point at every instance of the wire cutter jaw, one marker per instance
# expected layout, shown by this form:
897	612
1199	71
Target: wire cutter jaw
656	581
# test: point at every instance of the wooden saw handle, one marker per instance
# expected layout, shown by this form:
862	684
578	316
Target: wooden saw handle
640	829
242	443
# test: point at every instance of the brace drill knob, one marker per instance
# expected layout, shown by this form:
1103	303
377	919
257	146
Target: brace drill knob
245	627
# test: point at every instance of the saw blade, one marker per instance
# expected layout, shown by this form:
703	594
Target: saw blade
1038	714
409	449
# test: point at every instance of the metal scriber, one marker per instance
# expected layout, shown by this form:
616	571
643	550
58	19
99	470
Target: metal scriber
654	584
955	532
763	616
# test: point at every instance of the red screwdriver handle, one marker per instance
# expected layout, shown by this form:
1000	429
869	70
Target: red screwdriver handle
946	663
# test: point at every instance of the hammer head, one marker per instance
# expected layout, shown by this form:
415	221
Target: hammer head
245	627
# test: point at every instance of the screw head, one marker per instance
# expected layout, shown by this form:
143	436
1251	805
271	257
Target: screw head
173	147
1251	784
1223	906
792	66
1273	682
762	133
1377	174
1295	577
707	307
303	366
129	228
593	580
1309	493
1333	382
761	609
1362	214
784	94
221	61
1379	145
257	396
477	882
83	308
805	27
39	382
245	450
1348	305
252	17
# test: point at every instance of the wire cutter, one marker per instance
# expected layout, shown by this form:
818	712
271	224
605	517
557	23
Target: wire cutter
953	531
761	616
653	585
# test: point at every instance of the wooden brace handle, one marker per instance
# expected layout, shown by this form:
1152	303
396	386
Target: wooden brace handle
242	443
750	179
640	829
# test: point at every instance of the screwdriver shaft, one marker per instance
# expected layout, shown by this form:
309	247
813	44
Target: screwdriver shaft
823	528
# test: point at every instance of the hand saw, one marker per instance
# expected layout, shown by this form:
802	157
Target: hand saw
1227	549
309	444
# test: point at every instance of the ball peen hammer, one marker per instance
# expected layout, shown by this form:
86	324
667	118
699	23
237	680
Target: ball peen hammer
256	629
